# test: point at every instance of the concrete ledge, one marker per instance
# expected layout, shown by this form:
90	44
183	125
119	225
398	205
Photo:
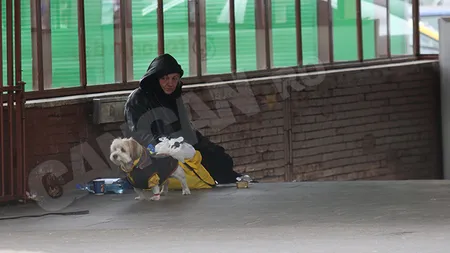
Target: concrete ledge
78	99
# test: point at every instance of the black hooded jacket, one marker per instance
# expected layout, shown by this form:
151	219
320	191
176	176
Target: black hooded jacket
150	114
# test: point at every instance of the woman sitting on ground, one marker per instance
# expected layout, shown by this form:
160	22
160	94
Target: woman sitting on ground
156	109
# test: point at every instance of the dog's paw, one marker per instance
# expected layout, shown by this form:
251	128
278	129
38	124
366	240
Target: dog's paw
155	197
137	198
186	192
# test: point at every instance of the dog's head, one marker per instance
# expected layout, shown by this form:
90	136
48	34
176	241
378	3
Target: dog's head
124	151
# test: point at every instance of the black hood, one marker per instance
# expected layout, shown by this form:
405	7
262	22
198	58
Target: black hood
162	65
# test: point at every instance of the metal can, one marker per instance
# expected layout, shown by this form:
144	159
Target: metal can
99	186
241	184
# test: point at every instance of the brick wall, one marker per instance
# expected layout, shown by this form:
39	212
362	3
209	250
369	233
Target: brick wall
376	123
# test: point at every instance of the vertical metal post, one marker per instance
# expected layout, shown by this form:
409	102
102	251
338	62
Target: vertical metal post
359	31
10	78
82	43
298	32
388	29
40	55
160	21
268	32
198	43
20	85
2	120
330	32
232	30
123	36
416	34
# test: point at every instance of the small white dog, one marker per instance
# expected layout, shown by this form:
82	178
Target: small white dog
141	166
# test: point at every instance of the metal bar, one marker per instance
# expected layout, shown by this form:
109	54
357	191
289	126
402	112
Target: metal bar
388	29
198	47
2	143
123	40
232	30
19	145
2	120
10	77
24	153
10	88
1	48
267	28
40	59
416	20
18	40
18	98
298	32
82	43
428	57
359	30
160	20
9	43
330	32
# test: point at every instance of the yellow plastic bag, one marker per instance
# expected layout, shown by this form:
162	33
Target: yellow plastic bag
197	177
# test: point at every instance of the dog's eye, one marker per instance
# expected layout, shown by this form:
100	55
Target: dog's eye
122	150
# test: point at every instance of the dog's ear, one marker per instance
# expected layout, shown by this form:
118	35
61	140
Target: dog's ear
134	148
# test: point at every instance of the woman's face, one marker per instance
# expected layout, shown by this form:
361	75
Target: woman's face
169	82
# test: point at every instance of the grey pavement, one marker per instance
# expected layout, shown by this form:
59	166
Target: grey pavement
351	216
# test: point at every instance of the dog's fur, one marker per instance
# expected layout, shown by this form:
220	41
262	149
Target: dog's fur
124	151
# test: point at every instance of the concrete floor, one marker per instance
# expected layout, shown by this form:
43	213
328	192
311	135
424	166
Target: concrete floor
357	216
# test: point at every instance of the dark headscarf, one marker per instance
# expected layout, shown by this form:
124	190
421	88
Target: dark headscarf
162	65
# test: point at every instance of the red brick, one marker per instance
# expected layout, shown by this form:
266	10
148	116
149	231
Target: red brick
260	166
351	91
382	129
412	84
359	105
319	150
423	100
427	114
359	113
383	87
320	134
337	123
272	179
344	162
270	148
274	155
243	151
